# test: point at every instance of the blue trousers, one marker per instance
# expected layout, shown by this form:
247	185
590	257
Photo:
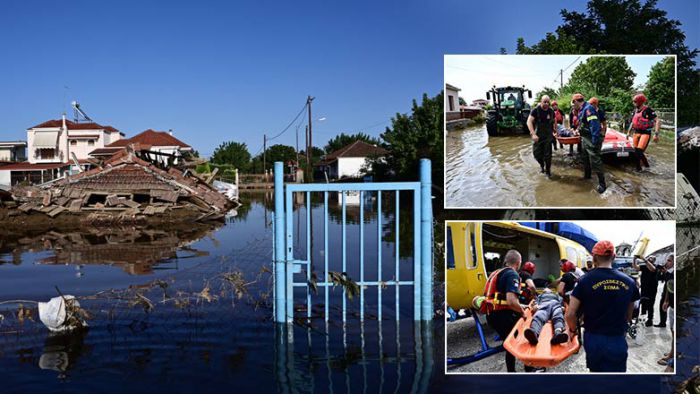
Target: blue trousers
605	353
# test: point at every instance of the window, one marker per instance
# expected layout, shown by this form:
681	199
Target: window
46	153
450	249
73	142
472	245
91	142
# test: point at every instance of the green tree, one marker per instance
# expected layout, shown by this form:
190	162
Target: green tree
342	140
660	88
546	92
602	74
278	152
627	26
233	153
412	137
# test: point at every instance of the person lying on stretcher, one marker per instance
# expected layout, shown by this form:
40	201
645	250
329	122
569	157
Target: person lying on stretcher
547	306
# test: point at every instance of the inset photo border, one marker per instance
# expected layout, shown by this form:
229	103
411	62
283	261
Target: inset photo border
550	260
500	154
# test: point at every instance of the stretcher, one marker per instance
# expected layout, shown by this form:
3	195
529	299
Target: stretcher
544	354
569	140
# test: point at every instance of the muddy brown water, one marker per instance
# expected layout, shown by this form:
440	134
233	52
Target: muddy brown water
483	171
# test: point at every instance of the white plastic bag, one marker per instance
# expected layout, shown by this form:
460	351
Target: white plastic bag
56	314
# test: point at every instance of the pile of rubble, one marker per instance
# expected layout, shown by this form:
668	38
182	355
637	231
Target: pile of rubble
125	186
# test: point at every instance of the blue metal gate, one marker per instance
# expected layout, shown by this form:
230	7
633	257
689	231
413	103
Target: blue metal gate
286	265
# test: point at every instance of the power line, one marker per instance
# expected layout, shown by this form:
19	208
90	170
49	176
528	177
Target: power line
290	123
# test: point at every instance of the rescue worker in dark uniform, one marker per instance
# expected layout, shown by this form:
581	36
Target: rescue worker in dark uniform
643	121
528	290
649	284
605	297
665	274
558	122
503	309
568	280
542	128
591	140
601	115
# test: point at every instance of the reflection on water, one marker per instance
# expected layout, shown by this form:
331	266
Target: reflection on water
501	172
214	338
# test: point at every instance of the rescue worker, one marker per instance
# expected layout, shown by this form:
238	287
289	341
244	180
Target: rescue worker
591	140
558	123
528	290
601	115
605	297
573	125
649	285
502	307
542	128
643	121
665	274
589	265
568	279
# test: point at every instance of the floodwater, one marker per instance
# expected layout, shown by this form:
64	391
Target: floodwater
210	320
483	171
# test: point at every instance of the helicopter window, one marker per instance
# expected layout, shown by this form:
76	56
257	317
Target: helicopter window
472	246
450	249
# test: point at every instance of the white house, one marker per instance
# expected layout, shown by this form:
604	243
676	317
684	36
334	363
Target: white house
56	141
149	141
51	147
11	151
351	160
451	98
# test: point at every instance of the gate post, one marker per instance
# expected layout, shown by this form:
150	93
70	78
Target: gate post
426	240
279	218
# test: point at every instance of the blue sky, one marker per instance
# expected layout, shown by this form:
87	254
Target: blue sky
215	71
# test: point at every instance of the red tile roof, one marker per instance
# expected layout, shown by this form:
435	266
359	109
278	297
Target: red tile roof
150	138
74	126
32	167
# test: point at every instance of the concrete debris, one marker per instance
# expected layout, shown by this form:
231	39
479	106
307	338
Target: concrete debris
126	186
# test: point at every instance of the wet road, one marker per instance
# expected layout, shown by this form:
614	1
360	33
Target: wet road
502	172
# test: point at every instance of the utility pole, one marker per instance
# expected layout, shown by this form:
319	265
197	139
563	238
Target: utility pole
264	155
310	144
296	165
561	79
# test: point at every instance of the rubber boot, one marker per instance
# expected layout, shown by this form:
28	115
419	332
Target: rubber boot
638	153
644	159
587	173
601	183
548	167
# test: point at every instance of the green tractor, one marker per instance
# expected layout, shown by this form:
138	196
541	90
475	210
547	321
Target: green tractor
510	111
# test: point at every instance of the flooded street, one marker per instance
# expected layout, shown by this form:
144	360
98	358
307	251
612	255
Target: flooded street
209	316
502	172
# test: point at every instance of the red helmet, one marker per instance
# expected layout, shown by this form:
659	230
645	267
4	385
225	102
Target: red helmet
639	99
568	266
529	267
577	96
593	101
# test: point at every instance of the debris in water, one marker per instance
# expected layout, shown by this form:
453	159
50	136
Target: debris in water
61	313
141	300
342	279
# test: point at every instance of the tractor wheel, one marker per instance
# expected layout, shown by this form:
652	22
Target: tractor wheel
492	125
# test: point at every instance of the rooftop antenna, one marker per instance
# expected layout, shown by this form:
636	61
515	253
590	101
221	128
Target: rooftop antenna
65	91
79	113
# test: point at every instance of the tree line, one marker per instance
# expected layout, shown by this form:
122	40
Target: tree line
611	79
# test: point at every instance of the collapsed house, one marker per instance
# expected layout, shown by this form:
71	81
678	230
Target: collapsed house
128	186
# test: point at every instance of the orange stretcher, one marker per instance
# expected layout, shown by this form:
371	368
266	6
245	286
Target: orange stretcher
569	140
544	354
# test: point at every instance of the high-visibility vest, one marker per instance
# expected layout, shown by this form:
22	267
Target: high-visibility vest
495	300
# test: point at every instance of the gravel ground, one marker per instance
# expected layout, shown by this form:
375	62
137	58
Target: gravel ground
462	340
